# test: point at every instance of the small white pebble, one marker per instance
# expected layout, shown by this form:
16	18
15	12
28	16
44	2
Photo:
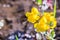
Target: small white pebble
8	5
25	39
1	24
11	37
33	35
38	36
27	35
4	5
2	21
19	34
30	27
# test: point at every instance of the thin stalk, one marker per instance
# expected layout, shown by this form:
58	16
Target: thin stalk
55	8
16	37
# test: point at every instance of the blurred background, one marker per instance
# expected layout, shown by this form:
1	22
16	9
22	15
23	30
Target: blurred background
13	20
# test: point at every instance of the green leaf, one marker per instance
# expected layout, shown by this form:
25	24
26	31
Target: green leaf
39	1
16	37
52	34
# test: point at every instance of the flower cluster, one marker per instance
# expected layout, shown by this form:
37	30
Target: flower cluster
46	22
41	23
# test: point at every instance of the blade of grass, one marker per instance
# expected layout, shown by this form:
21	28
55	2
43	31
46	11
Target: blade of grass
55	8
16	37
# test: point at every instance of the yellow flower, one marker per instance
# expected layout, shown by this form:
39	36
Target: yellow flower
33	18
51	20
44	24
41	26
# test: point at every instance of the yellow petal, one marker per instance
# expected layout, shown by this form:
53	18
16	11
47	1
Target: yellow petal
35	25
31	19
36	17
35	10
43	20
28	14
52	18
47	16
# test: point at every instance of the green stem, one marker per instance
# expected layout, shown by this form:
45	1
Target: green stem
39	1
16	37
55	9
